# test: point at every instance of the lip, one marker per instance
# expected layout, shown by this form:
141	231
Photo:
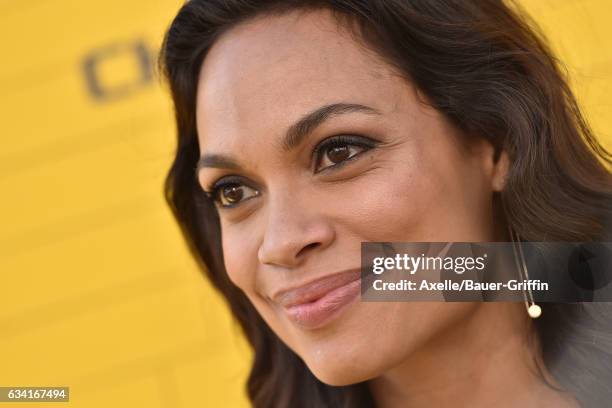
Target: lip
315	304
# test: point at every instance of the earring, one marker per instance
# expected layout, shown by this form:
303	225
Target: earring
534	311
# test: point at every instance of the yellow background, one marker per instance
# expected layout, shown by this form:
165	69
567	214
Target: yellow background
97	290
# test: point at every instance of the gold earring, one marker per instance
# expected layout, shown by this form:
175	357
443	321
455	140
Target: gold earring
534	311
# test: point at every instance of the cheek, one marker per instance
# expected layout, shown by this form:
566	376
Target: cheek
240	257
240	248
421	197
392	202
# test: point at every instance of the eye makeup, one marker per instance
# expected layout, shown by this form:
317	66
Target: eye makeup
232	190
324	147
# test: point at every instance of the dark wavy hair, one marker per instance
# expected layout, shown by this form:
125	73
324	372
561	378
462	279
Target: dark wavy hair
484	65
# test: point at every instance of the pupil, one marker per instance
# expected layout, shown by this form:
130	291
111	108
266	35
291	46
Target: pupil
338	153
232	193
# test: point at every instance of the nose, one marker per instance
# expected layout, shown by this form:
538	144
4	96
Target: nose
293	232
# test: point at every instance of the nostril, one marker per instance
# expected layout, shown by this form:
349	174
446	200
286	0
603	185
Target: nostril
308	247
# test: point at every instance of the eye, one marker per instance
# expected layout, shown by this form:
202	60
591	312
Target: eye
229	194
337	150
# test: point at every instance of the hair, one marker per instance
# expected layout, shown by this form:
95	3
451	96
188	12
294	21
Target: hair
486	67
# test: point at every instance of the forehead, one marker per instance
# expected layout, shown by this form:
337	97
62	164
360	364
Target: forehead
262	75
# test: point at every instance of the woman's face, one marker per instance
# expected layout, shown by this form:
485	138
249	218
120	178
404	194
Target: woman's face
315	145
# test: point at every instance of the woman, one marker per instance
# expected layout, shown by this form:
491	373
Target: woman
308	127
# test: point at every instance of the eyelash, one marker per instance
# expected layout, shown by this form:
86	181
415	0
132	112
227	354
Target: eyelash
317	154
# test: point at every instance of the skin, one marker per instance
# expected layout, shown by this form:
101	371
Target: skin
303	218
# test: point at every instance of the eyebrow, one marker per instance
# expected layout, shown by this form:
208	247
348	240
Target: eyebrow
294	135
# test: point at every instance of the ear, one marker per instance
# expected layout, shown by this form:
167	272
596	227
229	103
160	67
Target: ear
500	172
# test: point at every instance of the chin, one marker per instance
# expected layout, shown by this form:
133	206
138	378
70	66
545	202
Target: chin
338	376
337	368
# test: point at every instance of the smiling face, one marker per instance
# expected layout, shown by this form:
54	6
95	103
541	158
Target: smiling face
311	144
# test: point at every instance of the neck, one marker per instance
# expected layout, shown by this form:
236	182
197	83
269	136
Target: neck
491	359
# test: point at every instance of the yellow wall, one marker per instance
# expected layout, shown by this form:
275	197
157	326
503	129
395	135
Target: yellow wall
97	289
